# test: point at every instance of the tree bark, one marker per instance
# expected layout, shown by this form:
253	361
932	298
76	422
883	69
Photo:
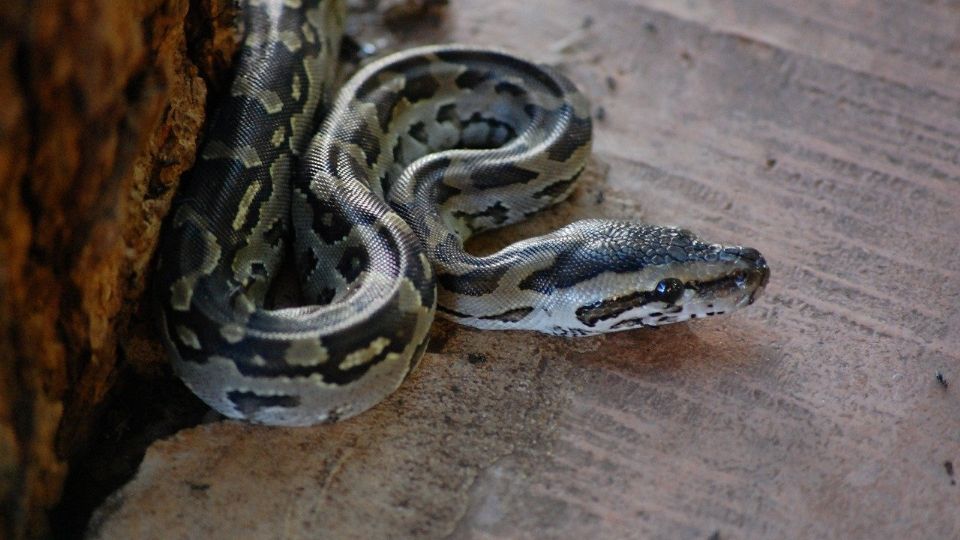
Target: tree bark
102	104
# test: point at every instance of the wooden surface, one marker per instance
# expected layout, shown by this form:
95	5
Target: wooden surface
824	133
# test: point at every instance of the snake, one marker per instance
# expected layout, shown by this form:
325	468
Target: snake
365	197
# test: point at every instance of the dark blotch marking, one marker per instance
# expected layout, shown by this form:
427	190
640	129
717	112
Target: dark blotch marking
628	323
385	185
453	313
342	163
510	316
506	87
557	189
498	213
578	264
445	192
396	324
667	291
353	262
307	261
275	233
501	175
398	156
447	113
419	132
385	102
574	137
611	308
250	402
498	133
551	81
258	270
191	243
328	220
420	86
431	176
325	296
473	78
473	283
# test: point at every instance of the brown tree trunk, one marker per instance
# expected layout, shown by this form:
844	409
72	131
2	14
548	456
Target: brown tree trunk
101	103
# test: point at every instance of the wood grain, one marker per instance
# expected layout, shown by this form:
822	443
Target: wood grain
825	134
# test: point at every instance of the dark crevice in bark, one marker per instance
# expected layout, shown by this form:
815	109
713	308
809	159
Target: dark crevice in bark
24	401
139	410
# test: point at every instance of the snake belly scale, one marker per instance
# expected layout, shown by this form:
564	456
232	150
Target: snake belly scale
418	151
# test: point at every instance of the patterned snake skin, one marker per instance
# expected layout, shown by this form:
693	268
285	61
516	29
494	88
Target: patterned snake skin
419	151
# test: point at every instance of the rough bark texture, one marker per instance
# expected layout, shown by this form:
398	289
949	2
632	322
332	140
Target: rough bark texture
824	133
102	105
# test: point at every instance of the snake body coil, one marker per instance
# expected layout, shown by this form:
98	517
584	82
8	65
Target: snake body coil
419	150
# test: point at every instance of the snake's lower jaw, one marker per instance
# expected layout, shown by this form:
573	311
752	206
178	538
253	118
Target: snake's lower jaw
739	288
757	279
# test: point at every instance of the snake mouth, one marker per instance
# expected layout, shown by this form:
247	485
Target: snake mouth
750	273
762	273
739	287
756	277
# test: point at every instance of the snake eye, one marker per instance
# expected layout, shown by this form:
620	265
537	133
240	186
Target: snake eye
740	279
668	290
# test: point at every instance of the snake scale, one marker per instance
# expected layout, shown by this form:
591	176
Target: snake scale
418	151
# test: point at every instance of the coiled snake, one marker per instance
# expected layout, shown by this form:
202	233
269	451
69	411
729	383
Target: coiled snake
418	151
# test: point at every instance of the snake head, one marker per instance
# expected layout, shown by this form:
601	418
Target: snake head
657	275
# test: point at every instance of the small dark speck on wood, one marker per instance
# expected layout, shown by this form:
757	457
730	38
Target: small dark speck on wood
601	113
771	163
942	380
476	358
714	536
587	22
948	465
203	487
600	197
611	83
